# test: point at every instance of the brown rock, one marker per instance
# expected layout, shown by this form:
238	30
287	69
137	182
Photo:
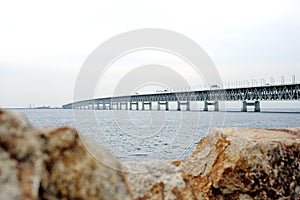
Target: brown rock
158	180
20	157
54	164
246	164
72	173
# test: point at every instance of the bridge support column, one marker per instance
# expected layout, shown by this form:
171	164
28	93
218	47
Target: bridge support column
124	103
256	105
163	103
106	106
147	103
114	104
134	103
178	106
101	106
206	104
216	106
188	106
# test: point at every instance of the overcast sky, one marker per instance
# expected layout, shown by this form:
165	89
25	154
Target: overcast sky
43	45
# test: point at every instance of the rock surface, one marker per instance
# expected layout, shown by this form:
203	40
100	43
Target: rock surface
53	164
20	158
230	163
158	180
237	163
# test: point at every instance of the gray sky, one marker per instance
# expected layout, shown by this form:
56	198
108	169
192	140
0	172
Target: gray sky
43	45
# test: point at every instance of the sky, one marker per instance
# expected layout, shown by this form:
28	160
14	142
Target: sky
43	45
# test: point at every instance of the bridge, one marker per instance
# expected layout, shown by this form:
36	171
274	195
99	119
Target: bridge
249	96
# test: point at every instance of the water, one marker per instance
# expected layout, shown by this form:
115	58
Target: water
155	135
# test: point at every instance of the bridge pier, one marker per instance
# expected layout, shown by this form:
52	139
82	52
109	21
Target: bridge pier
106	106
162	103
125	104
256	105
101	106
188	108
114	104
147	103
206	104
134	103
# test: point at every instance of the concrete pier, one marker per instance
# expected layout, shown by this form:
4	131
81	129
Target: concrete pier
215	104
115	105
256	105
134	103
159	103
187	104
124	104
146	103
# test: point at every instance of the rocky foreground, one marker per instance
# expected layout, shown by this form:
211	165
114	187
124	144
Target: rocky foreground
227	164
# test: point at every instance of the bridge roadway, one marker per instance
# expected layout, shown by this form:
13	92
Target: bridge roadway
250	96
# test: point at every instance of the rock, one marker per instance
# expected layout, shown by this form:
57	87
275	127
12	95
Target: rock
72	173
230	163
54	164
249	163
158	180
20	158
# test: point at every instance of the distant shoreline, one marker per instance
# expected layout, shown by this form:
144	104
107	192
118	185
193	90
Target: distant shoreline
32	108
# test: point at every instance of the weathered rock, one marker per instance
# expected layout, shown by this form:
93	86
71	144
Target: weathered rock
72	173
54	164
237	163
20	158
158	180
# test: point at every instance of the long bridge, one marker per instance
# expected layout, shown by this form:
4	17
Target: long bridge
249	96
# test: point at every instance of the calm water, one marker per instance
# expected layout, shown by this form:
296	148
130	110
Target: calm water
145	135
